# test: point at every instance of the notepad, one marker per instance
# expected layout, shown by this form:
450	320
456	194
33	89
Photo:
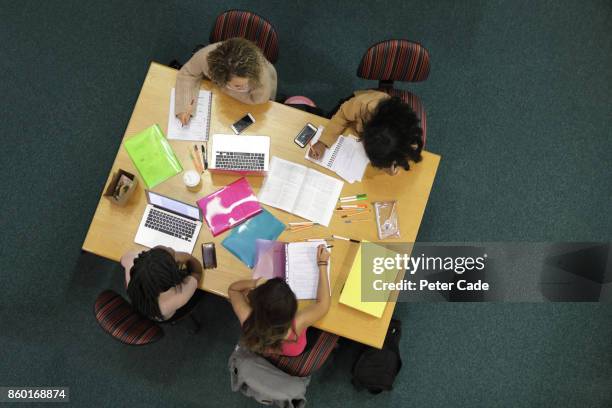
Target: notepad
346	157
299	190
153	156
352	292
295	262
198	127
242	240
229	206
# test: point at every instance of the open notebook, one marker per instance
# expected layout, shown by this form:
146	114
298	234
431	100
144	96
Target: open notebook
296	262
198	128
347	158
299	190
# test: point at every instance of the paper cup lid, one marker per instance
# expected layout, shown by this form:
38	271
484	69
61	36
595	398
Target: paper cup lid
191	178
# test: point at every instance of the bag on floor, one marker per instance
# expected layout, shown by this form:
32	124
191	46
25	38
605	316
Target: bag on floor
375	370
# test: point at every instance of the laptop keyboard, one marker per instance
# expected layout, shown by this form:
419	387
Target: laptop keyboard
240	161
170	224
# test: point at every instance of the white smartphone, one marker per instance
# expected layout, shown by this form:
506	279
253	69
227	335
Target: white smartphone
243	123
305	135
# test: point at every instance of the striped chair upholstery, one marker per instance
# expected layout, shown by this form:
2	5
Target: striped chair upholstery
395	60
117	317
310	360
240	23
414	102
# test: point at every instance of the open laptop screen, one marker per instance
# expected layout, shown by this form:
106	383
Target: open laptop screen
177	207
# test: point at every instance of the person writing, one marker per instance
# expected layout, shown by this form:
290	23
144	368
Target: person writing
388	128
268	312
237	66
160	281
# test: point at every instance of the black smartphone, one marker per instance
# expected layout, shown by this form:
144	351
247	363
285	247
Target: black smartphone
209	255
305	135
243	123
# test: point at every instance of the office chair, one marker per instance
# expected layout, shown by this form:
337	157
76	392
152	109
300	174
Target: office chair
117	317
398	60
245	24
319	346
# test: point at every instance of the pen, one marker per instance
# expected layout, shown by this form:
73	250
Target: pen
346	239
329	246
354	197
342	207
204	157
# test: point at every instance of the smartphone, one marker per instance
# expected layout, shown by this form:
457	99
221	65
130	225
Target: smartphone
243	123
209	255
305	135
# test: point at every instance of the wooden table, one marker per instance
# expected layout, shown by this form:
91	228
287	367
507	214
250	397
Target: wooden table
113	228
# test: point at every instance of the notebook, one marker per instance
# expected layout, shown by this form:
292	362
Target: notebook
153	156
351	293
296	262
241	240
299	190
229	206
347	158
198	127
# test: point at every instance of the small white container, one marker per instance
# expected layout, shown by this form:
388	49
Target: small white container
192	180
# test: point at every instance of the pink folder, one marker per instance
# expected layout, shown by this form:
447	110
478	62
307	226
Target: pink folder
229	206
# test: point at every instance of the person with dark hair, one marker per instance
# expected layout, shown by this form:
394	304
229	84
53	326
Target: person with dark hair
268	312
160	281
237	66
387	126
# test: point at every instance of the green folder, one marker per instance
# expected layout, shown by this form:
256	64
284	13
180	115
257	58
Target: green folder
153	156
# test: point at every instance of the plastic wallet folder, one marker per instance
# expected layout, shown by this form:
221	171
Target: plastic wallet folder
229	206
242	240
153	156
351	293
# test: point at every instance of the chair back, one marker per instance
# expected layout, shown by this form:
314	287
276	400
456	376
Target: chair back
245	24
119	319
395	60
310	360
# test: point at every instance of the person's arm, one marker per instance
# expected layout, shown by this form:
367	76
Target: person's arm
193	265
237	292
311	314
188	82
172	300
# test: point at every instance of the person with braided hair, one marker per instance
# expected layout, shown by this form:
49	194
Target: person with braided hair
160	281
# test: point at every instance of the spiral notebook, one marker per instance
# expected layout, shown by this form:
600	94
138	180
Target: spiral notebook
347	158
295	262
198	128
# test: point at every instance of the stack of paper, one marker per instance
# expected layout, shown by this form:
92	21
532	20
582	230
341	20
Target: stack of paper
198	127
301	191
346	157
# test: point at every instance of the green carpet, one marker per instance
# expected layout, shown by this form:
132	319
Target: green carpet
519	107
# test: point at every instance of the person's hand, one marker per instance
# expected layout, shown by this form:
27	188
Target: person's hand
184	118
392	171
317	150
322	254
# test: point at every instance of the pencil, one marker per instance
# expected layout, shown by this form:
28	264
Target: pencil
351	215
346	239
301	223
352	221
199	157
196	163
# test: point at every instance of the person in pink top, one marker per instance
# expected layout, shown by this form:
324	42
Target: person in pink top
271	323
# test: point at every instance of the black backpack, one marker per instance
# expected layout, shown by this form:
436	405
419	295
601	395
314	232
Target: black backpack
375	370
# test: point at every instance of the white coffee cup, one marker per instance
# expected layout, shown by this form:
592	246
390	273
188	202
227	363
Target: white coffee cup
192	180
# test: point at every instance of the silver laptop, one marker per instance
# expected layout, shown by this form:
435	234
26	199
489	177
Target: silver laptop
169	222
240	154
